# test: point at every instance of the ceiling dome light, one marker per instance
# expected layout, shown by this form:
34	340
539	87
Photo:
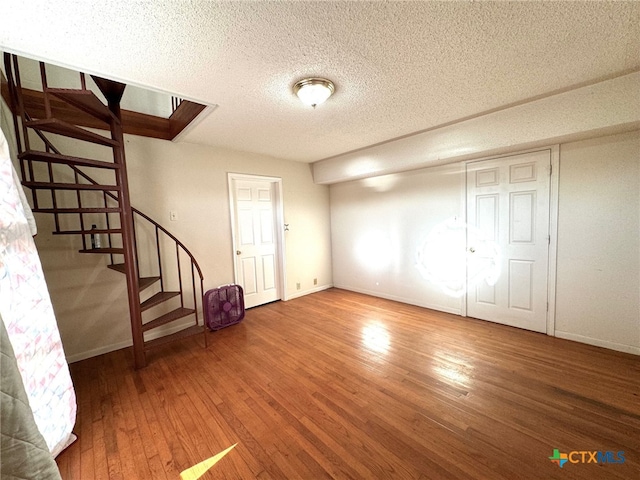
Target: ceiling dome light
314	91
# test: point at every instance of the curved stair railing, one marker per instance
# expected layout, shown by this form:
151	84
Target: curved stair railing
134	242
186	308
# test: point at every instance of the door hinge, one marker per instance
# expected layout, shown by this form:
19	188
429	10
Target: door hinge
548	239
547	306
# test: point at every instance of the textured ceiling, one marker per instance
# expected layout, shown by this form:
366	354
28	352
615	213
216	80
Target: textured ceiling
399	68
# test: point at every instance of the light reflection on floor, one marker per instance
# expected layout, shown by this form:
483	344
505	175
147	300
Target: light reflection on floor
447	366
375	337
451	368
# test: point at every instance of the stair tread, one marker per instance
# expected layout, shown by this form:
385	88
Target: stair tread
87	232
85	100
53	125
144	282
78	210
187	332
70	186
157	299
167	318
103	250
118	267
65	159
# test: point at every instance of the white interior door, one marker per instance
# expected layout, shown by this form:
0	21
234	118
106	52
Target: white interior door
508	239
254	205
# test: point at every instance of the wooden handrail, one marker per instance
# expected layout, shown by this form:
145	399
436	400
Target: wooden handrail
194	263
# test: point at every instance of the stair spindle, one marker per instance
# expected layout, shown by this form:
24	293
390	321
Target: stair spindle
179	275
135	239
45	90
54	200
104	197
84	238
159	259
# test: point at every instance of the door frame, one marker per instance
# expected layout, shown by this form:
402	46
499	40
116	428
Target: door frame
553	226
278	223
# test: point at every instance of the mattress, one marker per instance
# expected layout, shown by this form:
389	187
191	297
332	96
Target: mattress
27	313
25	454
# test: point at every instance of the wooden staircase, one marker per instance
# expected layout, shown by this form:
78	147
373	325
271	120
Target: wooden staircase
64	186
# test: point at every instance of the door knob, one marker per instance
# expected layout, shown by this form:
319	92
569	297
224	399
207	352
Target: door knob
472	250
238	252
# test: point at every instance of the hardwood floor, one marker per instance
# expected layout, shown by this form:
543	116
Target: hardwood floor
342	385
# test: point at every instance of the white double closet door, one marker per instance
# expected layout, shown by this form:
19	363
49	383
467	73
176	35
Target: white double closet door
508	239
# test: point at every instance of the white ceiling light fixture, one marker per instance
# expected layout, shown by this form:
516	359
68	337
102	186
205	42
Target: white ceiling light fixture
314	91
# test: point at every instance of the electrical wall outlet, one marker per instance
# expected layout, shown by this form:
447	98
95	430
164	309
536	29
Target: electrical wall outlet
315	281
297	286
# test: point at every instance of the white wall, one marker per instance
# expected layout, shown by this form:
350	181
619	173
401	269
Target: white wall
378	225
90	301
192	180
598	268
598	286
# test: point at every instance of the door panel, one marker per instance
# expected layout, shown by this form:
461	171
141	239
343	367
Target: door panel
249	275
508	218
486	293
487	215
269	272
245	226
266	227
522	217
522	172
521	284
487	177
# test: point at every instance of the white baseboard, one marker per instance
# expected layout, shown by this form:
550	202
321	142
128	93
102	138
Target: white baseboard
302	293
409	301
620	347
98	351
127	343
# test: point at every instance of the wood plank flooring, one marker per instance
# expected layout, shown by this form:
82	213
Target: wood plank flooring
343	385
